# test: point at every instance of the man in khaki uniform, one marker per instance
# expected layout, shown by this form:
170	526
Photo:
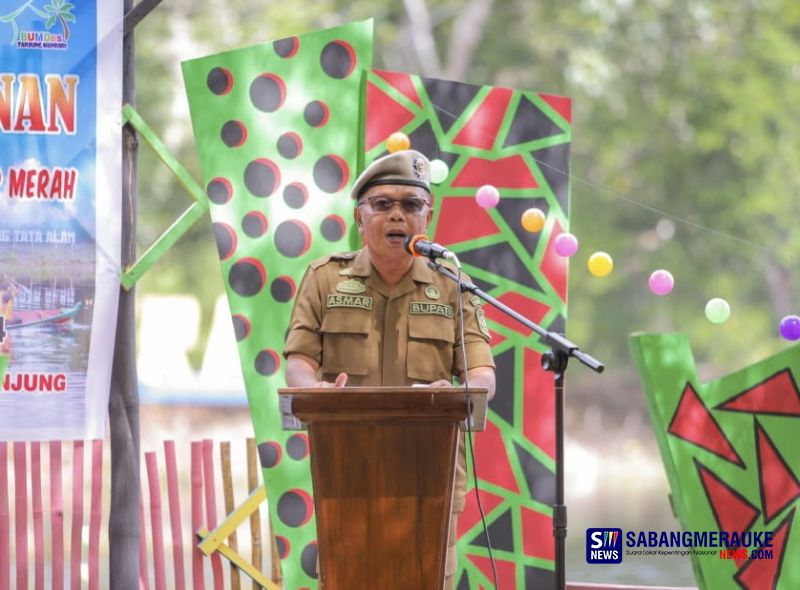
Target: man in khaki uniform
382	317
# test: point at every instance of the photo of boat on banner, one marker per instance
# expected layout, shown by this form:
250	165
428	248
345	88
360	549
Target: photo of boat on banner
46	335
16	318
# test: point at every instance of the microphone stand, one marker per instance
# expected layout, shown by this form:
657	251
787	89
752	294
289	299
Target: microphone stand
555	360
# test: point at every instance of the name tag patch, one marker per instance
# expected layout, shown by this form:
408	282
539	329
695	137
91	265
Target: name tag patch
428	308
357	301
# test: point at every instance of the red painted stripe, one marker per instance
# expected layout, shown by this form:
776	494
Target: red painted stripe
77	515
144	580
211	509
508	172
555	267
384	116
156	524
482	129
20	513
175	514
535	310
473	221
56	516
538	403
96	513
561	104
537	538
197	513
5	541
401	82
38	518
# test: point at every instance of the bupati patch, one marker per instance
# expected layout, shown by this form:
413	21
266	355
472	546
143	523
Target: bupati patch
427	308
351	286
357	301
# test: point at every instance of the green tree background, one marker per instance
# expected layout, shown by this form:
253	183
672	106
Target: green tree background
684	157
686	144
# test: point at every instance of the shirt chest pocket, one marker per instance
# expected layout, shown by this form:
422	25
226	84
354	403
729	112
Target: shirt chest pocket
430	347
345	334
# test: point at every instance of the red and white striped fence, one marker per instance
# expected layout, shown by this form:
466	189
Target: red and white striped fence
28	556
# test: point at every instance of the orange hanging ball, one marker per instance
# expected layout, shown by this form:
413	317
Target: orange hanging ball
533	220
398	141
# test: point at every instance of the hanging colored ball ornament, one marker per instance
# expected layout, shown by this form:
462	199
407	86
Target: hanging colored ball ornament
661	282
600	264
439	171
487	196
717	310
398	141
790	327
565	244
533	220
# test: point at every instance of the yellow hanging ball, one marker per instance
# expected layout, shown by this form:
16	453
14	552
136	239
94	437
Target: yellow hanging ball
533	220
600	264
397	142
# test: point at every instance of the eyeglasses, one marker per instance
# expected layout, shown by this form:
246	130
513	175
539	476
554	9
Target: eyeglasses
412	205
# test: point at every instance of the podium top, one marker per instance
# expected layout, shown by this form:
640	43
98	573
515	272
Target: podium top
303	405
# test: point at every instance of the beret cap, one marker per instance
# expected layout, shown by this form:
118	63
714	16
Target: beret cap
406	167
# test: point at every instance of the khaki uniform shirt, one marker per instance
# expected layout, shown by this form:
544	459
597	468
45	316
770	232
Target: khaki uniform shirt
346	319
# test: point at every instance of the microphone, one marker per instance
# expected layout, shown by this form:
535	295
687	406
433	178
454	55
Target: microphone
419	245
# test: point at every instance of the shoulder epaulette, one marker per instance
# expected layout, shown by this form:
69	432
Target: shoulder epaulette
338	257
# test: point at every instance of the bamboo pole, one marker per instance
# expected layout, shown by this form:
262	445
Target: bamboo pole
255	521
175	514
230	505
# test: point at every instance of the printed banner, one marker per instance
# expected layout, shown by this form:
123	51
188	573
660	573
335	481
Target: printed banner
60	186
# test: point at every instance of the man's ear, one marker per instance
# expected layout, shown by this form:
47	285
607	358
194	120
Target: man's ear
357	216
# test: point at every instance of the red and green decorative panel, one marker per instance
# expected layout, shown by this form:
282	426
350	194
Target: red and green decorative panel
276	128
730	449
519	142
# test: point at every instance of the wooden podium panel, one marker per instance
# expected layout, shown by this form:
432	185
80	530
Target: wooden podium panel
383	464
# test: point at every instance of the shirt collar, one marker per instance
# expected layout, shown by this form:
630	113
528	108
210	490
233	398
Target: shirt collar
362	267
420	272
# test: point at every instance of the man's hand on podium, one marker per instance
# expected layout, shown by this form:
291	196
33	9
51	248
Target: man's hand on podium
478	377
301	371
341	381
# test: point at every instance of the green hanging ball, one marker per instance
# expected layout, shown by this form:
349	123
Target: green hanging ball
439	171
717	310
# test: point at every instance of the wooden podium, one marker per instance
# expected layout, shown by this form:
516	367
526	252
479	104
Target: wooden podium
383	463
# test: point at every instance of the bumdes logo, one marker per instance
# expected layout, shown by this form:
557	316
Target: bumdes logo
603	545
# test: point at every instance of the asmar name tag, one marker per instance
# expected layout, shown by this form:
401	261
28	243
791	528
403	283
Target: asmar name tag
428	308
357	301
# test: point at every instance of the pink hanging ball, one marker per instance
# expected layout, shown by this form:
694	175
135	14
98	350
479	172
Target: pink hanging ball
565	245
487	196
661	282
